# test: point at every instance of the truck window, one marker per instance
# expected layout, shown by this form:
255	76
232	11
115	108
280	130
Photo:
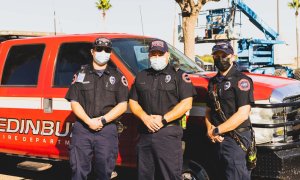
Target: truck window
22	65
70	58
134	53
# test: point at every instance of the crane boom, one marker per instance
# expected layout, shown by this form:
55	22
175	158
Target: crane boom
255	19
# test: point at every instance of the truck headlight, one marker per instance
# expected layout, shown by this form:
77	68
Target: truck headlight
267	116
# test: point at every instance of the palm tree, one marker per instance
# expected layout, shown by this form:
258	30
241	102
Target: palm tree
295	4
103	5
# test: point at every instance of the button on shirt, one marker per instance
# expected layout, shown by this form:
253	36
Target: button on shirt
234	90
98	92
159	91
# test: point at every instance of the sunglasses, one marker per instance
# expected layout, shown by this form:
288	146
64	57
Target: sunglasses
101	48
156	53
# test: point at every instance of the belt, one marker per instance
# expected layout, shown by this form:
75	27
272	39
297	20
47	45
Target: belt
242	129
173	123
144	130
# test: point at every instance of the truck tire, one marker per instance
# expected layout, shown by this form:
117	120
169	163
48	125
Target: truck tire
297	74
194	172
280	72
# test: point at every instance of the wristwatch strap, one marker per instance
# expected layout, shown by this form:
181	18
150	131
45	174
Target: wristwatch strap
164	121
103	120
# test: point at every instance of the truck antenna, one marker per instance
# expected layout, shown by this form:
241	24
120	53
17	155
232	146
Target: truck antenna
142	20
54	18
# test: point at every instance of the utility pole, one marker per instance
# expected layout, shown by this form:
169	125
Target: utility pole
278	25
174	26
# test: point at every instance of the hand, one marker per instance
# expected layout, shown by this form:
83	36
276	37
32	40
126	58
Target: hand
218	138
95	124
149	122
157	120
209	132
100	122
213	138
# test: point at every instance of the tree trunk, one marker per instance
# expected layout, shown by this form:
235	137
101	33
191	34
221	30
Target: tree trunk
188	27
297	41
103	19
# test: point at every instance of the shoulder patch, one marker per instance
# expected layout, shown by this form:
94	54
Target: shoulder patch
186	78
124	81
244	85
74	78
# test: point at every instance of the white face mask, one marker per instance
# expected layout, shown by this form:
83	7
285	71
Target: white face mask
102	57
158	63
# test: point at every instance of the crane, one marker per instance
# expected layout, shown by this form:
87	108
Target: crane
254	54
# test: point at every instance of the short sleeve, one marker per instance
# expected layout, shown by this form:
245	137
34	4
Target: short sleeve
122	94
185	86
244	91
73	92
133	93
208	100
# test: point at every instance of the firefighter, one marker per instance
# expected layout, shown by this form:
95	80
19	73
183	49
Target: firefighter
227	115
159	97
98	96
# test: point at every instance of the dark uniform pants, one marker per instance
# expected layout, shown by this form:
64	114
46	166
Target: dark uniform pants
160	154
99	147
231	163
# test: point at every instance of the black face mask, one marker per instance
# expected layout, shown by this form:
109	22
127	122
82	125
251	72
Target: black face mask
223	65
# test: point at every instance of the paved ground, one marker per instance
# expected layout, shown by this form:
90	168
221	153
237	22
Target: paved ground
59	171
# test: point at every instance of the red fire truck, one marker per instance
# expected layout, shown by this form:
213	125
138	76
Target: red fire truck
36	120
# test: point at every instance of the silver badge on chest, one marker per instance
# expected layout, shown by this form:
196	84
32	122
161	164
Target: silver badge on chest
168	78
112	80
227	85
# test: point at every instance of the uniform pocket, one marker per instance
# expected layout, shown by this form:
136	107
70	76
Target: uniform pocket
143	91
73	157
86	87
175	132
143	87
167	86
227	95
110	87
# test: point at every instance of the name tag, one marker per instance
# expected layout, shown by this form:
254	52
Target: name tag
80	77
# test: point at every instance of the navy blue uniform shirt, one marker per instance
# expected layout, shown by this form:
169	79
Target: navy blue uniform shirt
158	92
98	93
234	90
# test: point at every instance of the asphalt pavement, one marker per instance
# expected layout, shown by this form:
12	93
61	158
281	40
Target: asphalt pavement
59	171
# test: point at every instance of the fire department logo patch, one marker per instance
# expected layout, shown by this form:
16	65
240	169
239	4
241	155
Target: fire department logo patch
168	78
186	78
124	81
74	78
227	85
112	80
244	85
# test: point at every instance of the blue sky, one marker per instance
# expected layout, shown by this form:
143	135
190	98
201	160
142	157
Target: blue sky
81	16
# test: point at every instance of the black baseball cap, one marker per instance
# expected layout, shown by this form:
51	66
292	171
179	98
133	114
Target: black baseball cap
158	45
224	46
102	41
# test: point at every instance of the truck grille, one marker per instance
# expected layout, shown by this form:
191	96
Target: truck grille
292	112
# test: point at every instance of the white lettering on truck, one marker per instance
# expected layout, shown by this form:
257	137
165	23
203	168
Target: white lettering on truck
38	127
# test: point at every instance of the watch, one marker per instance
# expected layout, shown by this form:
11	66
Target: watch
216	131
164	121
103	120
